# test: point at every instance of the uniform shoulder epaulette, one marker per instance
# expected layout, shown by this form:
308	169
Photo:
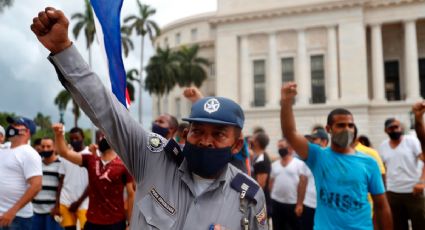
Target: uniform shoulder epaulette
245	186
173	150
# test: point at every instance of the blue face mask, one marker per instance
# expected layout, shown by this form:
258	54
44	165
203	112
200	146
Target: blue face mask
206	162
159	130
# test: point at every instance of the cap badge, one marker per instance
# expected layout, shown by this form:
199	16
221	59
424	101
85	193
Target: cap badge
212	105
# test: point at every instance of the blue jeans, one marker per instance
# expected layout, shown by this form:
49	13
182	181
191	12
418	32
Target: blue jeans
44	222
19	223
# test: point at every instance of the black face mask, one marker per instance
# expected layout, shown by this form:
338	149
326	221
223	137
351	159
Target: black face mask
77	145
206	162
283	152
46	154
11	131
103	145
159	130
394	135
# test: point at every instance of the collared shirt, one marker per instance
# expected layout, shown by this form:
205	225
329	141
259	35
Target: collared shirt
165	191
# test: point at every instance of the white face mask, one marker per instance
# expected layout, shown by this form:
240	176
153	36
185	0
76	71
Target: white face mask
343	139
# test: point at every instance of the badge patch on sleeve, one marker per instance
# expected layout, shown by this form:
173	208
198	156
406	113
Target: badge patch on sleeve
155	143
262	216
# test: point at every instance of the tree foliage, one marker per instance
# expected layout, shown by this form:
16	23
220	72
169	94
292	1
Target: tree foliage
4	4
85	21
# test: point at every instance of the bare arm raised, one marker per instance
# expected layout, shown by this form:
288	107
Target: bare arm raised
287	120
192	94
418	110
63	149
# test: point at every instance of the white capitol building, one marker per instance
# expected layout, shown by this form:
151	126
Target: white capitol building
364	55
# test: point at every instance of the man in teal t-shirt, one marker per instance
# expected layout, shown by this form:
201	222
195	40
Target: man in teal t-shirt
343	176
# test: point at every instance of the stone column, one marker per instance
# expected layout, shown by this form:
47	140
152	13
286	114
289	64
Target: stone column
273	76
411	61
228	64
246	76
332	60
377	64
302	77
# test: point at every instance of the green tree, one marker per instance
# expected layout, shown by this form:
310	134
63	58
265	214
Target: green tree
142	25
191	67
62	100
85	21
132	76
127	43
162	73
3	116
43	122
4	4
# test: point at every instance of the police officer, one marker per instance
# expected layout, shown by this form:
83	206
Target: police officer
204	191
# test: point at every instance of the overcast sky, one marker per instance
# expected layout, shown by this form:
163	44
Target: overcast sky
28	82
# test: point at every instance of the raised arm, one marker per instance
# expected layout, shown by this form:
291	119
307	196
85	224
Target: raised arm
192	94
287	120
124	134
62	148
418	110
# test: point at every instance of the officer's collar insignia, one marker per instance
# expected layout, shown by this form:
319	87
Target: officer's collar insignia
262	216
212	105
245	186
161	201
155	142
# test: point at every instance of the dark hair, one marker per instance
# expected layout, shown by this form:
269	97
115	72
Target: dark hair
389	121
172	122
262	139
364	140
258	129
317	126
77	130
47	138
339	111
182	126
36	141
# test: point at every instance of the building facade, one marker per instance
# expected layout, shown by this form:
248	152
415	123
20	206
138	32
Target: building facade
364	55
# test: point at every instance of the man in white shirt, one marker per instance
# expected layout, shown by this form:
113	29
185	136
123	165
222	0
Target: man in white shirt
73	191
20	176
288	189
405	176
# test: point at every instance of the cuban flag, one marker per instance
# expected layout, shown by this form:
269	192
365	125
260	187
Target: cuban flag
108	30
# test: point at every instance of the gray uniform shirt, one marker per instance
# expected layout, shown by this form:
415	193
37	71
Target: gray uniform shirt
165	191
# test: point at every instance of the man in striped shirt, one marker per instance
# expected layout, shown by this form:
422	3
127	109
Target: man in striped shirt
46	203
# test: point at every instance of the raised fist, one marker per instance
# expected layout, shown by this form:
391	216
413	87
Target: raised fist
419	108
193	94
288	91
51	28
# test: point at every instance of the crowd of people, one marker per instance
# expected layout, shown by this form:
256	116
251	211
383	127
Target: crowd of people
205	172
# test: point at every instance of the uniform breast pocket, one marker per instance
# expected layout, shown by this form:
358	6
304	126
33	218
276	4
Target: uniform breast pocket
158	213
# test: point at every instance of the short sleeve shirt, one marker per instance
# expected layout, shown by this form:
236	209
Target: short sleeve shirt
17	165
342	183
403	164
106	187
